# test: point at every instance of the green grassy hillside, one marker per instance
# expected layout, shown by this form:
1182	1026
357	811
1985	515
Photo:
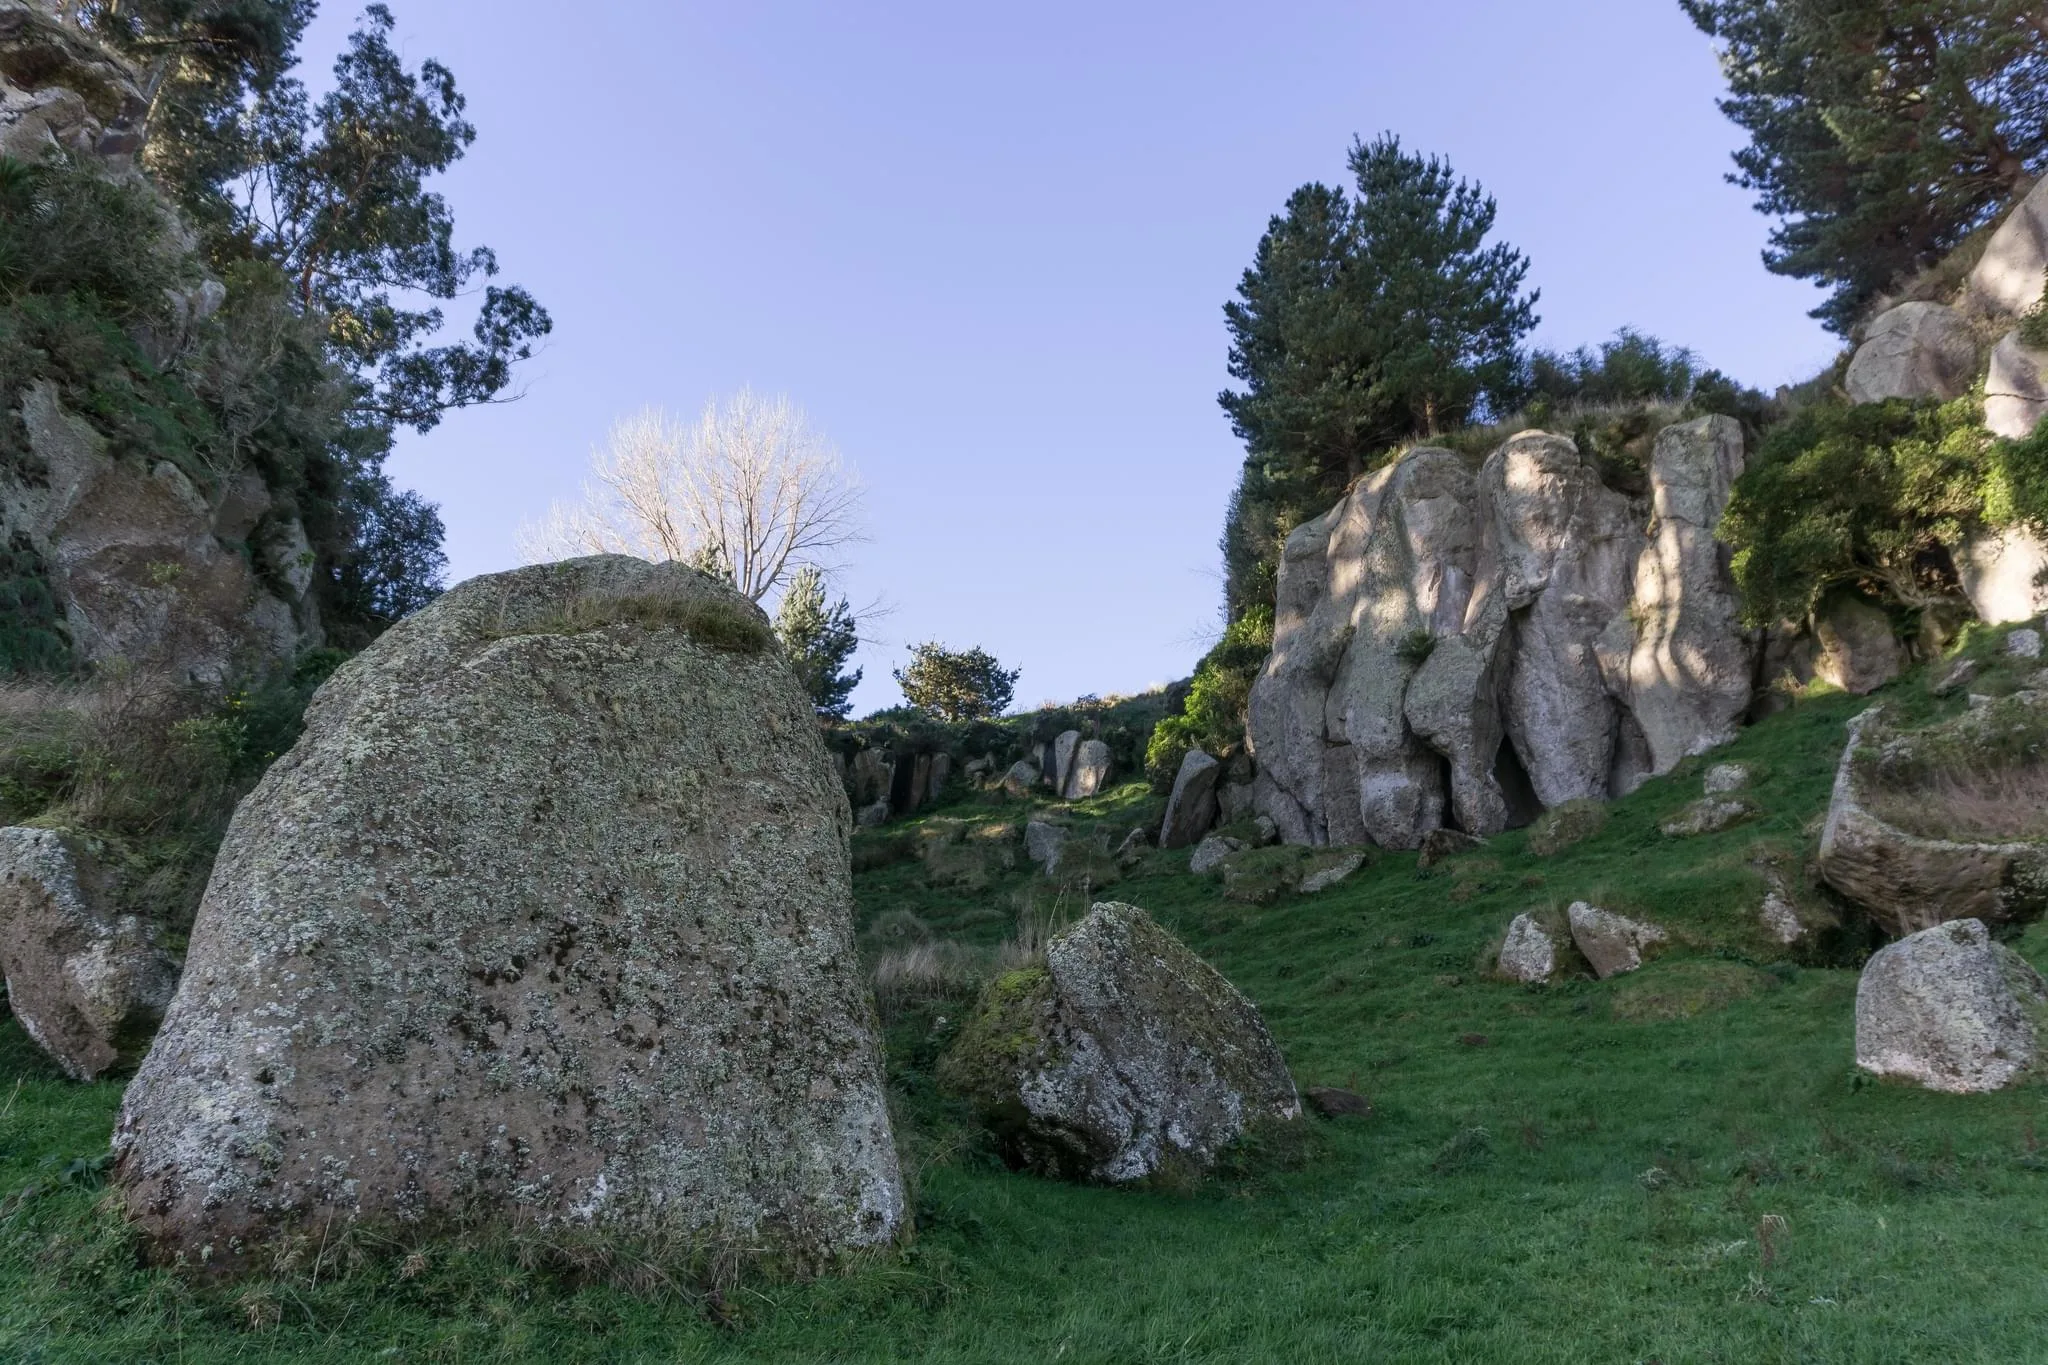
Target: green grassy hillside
1682	1165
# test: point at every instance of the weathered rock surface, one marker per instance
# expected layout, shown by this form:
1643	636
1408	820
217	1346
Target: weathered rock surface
1021	778
1089	774
61	92
2016	389
1780	920
1528	953
1909	882
1916	350
1948	1009
1708	815
1858	651
1042	844
1723	778
88	985
1061	770
1191	808
2023	643
1323	878
1123	1056
2001	572
2010	275
545	919
1210	855
1610	943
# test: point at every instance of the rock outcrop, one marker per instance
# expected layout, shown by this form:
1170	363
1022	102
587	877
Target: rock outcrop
89	985
1191	807
1858	652
2016	389
1123	1056
2008	278
1949	1009
1916	350
546	919
60	92
2002	572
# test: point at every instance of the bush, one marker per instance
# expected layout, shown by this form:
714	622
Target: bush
1212	718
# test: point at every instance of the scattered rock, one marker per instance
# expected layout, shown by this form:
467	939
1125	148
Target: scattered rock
1440	844
1333	1103
1858	651
1123	1056
1780	920
90	987
1210	854
1089	774
1021	778
1960	674
2023	644
1042	845
1191	809
1611	943
1528	953
1948	1009
2009	276
1916	350
1134	845
872	817
1724	778
1329	876
1709	815
2016	390
545	921
1558	828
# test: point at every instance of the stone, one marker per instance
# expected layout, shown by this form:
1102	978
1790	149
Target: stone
870	777
1724	778
2001	574
1948	1009
1691	666
2010	275
1446	843
1021	778
1061	770
546	922
1089	774
62	92
1235	801
1325	878
1558	828
976	768
1122	1056
2024	643
1610	943
1333	1103
1042	845
1528	954
2016	389
1916	350
1708	815
1858	651
1210	855
1191	808
1780	920
1909	882
1132	850
941	774
1959	675
873	816
1264	831
89	986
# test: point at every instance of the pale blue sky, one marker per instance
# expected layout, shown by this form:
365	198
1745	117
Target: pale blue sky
987	248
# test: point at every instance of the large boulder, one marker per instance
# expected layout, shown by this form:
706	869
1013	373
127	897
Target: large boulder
2010	275
1191	807
1949	1009
1910	880
2016	389
2002	572
545	920
1611	944
1858	650
1122	1056
1063	749
1089	773
1916	350
89	985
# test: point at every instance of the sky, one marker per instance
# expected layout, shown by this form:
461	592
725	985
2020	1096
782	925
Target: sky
987	247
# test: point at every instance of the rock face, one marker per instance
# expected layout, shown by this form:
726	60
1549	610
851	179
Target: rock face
90	987
1916	350
1122	1057
2016	390
1527	954
2001	573
1858	651
1948	1009
1089	774
1459	648
1191	809
1611	943
546	918
1908	882
62	92
2009	277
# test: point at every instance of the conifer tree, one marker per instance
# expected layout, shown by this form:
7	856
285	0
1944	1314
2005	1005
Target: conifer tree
820	639
957	685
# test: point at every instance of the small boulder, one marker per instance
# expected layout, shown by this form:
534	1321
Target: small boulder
1088	775
1191	809
1916	350
1132	849
1611	943
2016	390
90	987
1780	920
2024	643
873	817
1959	675
1948	1009
1333	1103
1558	828
1709	815
1042	845
1210	855
1265	832
1440	844
1528	953
1325	878
1122	1056
1021	778
1724	778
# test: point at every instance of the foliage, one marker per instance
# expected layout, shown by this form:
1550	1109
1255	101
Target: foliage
32	634
956	685
820	640
1863	495
1632	368
1362	321
1212	718
2034	326
1882	132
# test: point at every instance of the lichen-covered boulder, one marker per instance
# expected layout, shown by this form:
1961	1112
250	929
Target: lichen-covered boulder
545	920
1063	750
1042	844
89	985
1528	954
1708	815
1916	350
1122	1056
1191	807
1610	943
1021	778
1089	775
1212	853
1949	1009
1859	652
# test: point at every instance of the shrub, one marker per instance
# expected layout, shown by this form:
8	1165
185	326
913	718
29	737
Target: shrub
956	685
1213	716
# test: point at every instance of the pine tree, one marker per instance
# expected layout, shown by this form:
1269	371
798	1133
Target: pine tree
819	639
957	685
1882	132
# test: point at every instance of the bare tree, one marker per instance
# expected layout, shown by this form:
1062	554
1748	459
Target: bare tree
752	491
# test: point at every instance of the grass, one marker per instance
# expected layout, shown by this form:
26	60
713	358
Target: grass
1681	1165
711	621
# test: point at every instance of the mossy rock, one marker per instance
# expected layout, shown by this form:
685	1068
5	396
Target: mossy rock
1558	828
